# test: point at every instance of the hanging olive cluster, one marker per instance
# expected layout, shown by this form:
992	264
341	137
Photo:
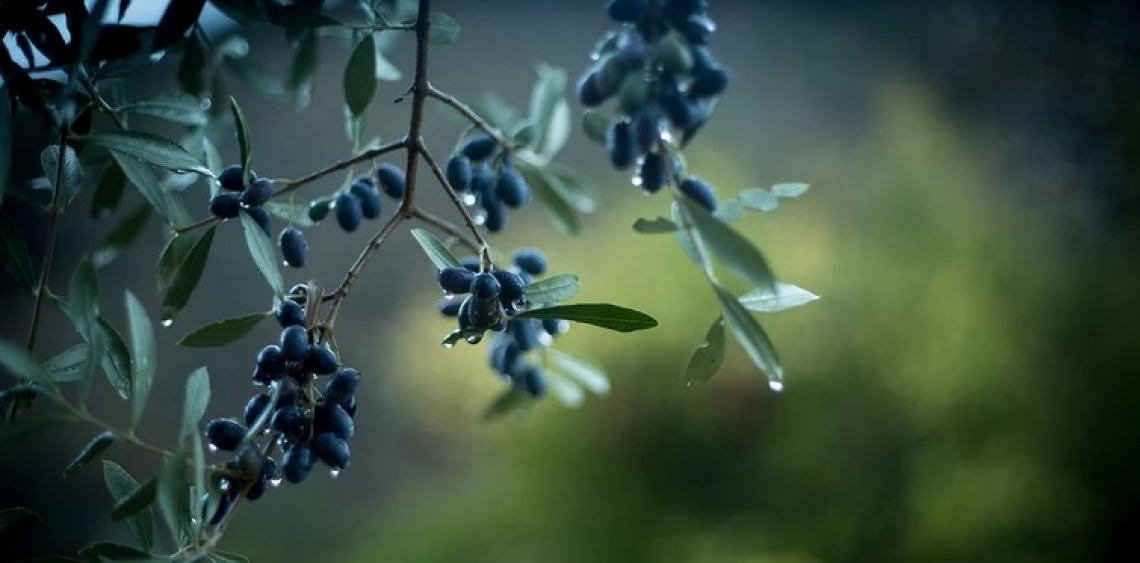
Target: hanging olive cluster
486	175
486	307
311	422
665	81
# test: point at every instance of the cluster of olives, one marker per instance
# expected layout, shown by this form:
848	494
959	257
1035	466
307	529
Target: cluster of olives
665	80
486	175
309	425
242	194
515	337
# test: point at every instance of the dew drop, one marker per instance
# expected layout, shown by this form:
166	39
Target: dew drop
205	104
469	199
275	482
667	136
636	181
213	449
334	473
545	339
284	263
474	339
776	386
448	345
167	322
448	295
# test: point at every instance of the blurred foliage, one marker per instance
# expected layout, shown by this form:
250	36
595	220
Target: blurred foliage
930	409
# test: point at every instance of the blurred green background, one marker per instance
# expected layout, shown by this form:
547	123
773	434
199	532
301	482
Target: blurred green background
964	390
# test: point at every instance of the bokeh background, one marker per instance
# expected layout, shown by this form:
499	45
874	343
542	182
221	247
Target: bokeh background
965	389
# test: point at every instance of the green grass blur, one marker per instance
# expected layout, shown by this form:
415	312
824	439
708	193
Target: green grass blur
957	393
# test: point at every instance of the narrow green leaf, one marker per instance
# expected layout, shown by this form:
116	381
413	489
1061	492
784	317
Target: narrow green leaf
787	296
109	191
561	212
789	190
178	107
306	58
174	496
656	226
125	234
729	211
117	361
294	212
159	151
564	390
604	315
759	199
553	289
72	171
548	90
685	236
708	358
222	332
68	365
14	254
142	178
20	363
244	144
83	296
595	126
766	201
199	457
187	277
18	517
111	551
506	403
737	253
91	452
172	257
558	129
135	500
442	29
360	76
435	250
751	337
197	399
263	253
586	373
144	355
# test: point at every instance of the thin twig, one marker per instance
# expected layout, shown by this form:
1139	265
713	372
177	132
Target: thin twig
103	105
451	193
350	277
294	185
370	154
471	116
196	225
447	227
49	238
